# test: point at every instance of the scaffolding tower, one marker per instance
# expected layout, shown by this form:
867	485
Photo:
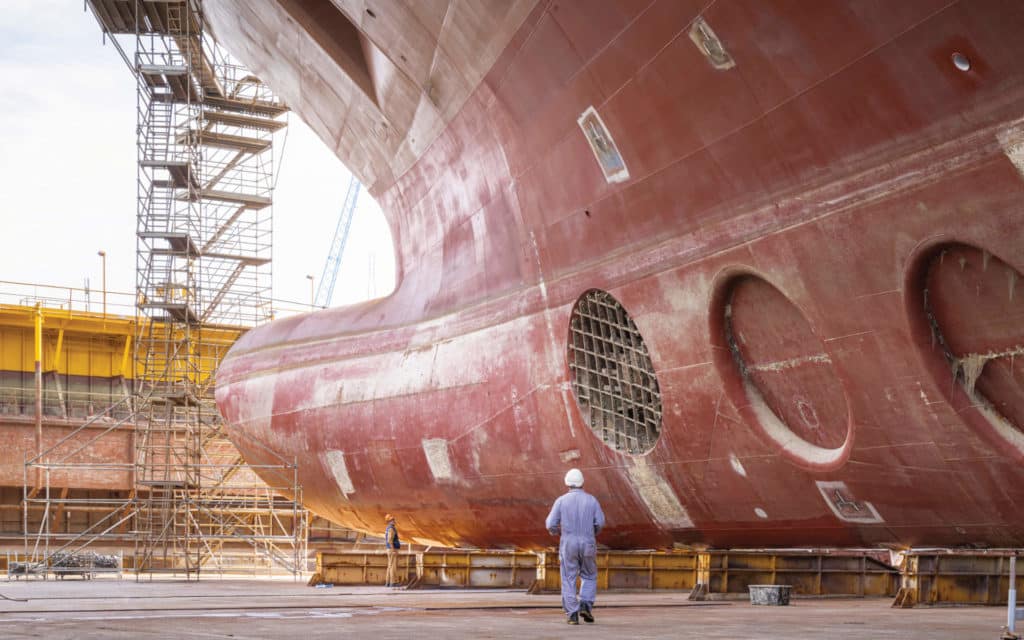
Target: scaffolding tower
205	129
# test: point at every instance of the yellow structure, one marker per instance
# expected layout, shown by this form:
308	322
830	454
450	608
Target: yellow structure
73	342
87	360
77	435
85	379
84	344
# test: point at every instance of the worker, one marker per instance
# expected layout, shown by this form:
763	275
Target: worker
577	516
392	544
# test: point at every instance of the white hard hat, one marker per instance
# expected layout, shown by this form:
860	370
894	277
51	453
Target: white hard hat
574	478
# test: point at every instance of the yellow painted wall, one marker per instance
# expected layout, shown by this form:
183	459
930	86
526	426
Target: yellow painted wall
91	344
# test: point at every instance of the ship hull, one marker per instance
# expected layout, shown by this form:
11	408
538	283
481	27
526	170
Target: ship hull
818	237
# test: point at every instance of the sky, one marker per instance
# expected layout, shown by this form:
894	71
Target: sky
68	172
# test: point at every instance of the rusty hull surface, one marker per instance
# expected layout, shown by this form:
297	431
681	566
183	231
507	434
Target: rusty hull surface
820	239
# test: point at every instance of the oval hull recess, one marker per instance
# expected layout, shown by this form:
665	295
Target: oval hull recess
757	272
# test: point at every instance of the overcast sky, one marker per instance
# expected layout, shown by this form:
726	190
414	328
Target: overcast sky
68	170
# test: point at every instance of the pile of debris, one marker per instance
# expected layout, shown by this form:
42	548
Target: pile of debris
17	569
81	564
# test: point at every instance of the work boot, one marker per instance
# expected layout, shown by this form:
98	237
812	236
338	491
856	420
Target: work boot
573	618
586	613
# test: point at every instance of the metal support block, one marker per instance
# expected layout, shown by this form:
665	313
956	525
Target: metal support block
948	577
699	573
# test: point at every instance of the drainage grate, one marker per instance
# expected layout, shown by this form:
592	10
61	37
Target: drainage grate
612	374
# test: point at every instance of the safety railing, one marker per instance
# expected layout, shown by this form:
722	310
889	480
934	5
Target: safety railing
18	400
88	299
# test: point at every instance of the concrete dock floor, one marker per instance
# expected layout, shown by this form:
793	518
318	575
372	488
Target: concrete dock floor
215	608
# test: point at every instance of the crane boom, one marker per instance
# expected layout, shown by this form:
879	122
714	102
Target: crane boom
325	291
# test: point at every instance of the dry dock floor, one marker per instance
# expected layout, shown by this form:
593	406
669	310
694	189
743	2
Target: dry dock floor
213	608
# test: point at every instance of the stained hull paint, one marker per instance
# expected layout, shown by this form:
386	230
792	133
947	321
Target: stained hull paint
820	245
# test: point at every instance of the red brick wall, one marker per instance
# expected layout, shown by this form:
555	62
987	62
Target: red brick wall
18	443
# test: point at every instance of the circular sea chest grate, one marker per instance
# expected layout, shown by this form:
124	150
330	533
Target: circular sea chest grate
612	375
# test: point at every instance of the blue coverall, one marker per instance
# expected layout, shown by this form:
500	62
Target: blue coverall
578	517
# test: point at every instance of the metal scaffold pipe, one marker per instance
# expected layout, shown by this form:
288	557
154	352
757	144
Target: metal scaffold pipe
182	492
1011	601
38	325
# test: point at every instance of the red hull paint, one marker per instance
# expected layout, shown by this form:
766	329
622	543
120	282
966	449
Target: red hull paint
811	189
